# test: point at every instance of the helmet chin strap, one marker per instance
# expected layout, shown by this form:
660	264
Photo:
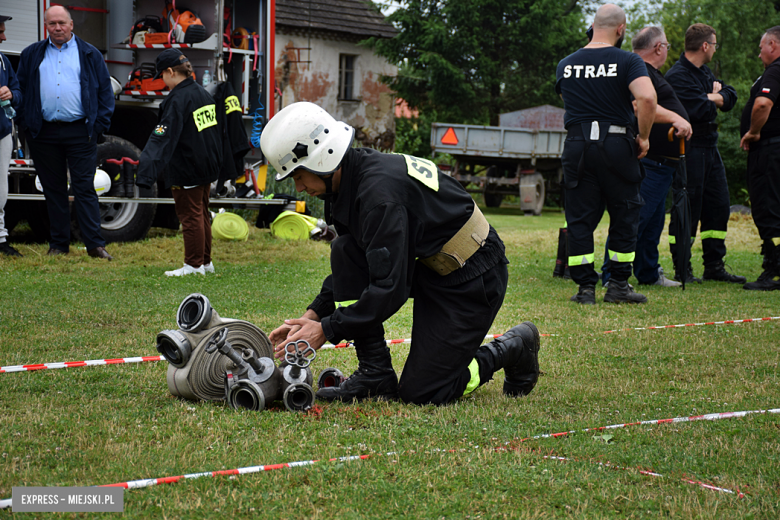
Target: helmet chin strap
328	180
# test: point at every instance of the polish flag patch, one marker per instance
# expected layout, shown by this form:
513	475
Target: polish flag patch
765	90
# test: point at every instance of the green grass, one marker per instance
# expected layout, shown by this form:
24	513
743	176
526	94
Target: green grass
100	425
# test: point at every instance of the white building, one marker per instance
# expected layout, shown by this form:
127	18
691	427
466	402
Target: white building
318	60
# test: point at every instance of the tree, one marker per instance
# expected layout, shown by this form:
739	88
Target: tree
739	27
470	60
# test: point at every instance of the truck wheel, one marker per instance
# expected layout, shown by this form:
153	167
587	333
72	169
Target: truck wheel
493	200
35	213
38	219
121	222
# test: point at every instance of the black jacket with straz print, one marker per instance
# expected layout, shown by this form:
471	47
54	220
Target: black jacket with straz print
185	148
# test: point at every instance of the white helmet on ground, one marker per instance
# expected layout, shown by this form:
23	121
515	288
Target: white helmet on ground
304	135
102	182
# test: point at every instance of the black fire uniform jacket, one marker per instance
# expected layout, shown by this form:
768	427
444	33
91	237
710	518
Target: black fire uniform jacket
234	139
692	84
185	148
397	208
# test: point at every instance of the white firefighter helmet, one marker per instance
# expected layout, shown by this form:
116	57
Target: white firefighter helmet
304	135
102	182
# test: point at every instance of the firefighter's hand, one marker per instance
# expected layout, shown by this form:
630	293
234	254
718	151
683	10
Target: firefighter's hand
297	330
5	94
747	139
643	145
682	128
279	335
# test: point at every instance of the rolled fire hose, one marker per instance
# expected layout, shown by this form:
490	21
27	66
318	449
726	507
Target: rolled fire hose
229	226
293	226
193	373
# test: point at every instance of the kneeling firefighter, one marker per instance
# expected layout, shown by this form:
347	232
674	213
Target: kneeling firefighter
405	231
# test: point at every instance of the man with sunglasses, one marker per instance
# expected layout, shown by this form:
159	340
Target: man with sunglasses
702	95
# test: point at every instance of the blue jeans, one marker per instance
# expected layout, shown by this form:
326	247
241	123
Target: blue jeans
654	189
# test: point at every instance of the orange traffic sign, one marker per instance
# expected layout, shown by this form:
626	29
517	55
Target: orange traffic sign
449	137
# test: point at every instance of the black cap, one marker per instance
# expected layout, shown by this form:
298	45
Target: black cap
168	58
4	19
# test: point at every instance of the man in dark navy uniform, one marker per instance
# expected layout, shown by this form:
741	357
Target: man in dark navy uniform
702	94
601	154
761	137
661	161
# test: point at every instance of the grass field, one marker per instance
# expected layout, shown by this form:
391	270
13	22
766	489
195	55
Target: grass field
101	425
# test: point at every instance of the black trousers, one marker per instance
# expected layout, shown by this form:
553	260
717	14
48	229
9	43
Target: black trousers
449	323
60	147
763	178
708	193
610	179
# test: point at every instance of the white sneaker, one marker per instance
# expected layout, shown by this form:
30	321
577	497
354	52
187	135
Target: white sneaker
665	282
209	267
187	269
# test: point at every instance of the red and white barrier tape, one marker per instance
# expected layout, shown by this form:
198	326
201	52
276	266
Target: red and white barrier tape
692	418
95	362
726	322
396	342
649	473
135	484
73	364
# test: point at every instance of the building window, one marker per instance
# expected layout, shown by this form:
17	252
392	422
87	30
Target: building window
347	77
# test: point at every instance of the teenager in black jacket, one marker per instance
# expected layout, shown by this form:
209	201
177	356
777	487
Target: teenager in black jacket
185	152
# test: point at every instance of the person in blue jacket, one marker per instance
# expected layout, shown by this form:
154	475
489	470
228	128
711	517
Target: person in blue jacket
9	93
68	102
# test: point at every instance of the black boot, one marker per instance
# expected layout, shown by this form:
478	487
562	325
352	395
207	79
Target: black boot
374	377
718	273
622	292
517	352
689	278
586	295
769	280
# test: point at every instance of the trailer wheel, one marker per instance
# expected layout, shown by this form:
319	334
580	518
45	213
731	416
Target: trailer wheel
532	193
121	222
493	200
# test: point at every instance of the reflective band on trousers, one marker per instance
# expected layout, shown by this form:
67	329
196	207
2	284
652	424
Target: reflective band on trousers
621	257
474	381
713	233
581	260
776	241
345	303
673	239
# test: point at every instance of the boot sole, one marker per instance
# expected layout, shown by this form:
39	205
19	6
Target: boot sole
725	281
613	300
777	288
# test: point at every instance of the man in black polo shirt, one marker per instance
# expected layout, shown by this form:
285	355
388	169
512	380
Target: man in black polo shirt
702	94
661	161
761	137
600	156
